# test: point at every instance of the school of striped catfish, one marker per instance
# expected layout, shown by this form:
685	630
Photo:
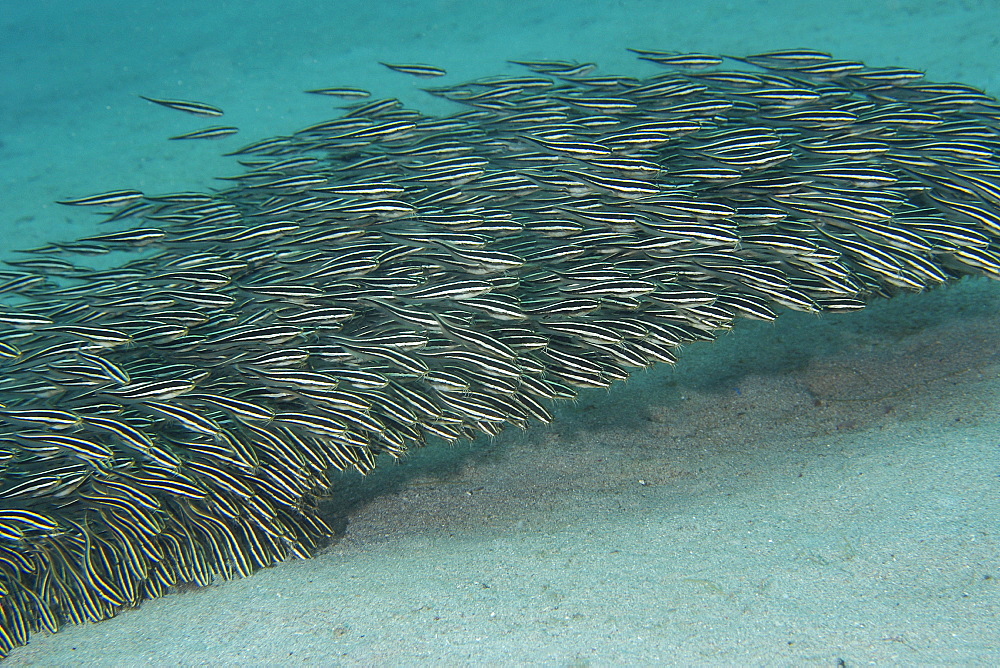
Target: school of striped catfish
388	277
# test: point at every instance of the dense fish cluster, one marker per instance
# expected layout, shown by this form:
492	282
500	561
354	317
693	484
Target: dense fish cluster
386	276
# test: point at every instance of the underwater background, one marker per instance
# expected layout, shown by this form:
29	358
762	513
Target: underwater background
796	493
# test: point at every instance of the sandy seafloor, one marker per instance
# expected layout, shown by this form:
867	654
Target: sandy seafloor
798	493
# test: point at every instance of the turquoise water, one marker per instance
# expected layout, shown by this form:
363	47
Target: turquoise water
797	493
